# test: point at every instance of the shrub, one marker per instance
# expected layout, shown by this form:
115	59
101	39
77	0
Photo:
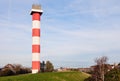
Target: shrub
6	72
113	75
14	69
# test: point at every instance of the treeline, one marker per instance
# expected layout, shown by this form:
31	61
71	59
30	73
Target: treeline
103	71
112	75
14	69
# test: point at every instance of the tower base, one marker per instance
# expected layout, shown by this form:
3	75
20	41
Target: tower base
35	71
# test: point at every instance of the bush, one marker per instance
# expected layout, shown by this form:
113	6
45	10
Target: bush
6	72
15	69
113	75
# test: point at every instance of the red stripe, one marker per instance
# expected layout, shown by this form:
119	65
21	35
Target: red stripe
36	16
36	65
35	32
35	48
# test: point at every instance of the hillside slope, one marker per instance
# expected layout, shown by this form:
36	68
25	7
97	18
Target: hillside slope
56	76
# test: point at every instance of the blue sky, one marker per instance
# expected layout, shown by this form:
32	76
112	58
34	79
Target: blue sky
73	32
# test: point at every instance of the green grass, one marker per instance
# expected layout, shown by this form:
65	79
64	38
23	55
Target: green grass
55	76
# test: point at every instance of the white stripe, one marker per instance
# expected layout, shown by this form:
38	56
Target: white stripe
35	71
35	56
37	10
36	40
36	24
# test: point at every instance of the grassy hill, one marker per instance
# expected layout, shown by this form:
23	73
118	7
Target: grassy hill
55	76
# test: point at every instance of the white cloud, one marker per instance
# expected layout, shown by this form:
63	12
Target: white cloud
81	41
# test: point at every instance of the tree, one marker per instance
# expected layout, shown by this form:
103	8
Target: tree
99	70
42	66
49	67
17	68
118	64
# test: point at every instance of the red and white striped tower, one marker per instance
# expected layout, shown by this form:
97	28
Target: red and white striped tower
36	12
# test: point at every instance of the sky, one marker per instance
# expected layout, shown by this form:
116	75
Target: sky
73	32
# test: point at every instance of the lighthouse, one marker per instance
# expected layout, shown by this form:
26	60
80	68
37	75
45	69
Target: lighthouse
36	13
